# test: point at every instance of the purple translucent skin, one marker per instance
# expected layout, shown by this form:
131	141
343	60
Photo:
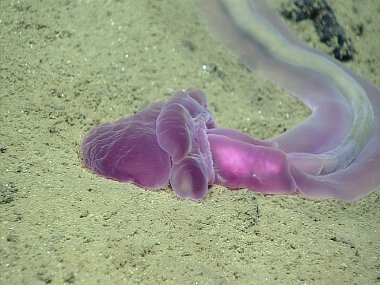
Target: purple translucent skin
334	153
181	132
239	164
139	149
127	150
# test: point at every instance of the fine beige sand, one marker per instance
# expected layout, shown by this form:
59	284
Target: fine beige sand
66	66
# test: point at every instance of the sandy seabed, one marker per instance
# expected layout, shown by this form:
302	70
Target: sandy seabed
66	66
